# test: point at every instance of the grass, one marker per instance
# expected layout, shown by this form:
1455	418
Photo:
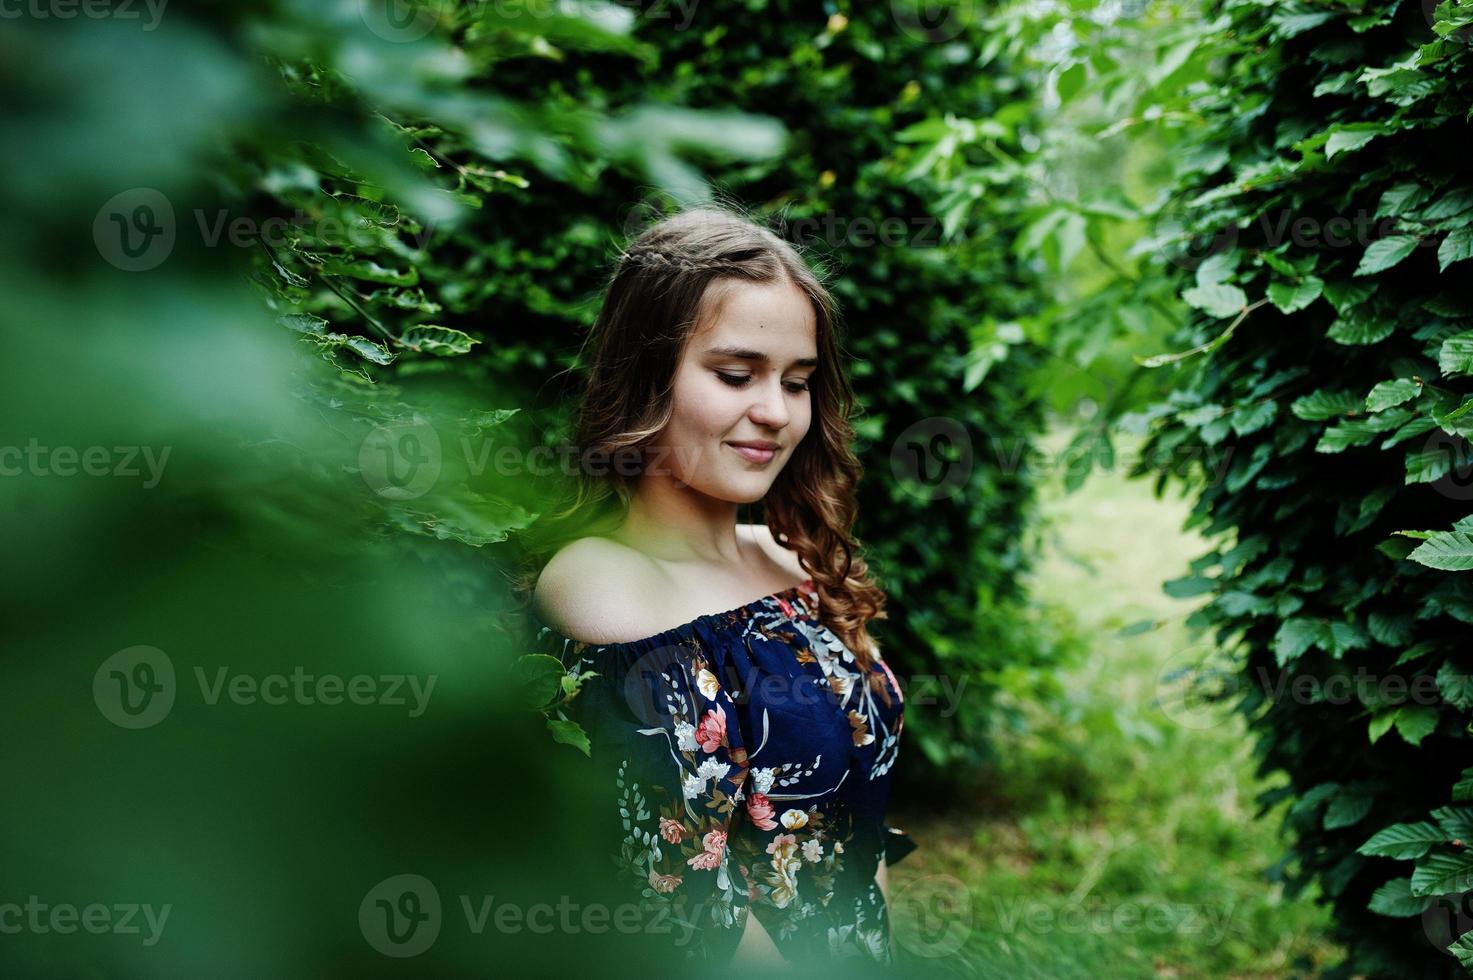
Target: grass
1118	838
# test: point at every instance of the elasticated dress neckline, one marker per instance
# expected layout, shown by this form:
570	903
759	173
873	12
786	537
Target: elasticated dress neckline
685	629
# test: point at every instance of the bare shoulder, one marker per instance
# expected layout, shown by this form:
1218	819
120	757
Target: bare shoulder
786	558
598	591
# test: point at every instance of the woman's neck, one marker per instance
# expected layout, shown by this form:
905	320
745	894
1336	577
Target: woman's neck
680	524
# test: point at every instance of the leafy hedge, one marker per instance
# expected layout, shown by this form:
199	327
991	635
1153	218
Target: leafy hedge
1331	197
491	210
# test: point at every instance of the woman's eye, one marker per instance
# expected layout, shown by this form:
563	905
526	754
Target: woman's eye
741	380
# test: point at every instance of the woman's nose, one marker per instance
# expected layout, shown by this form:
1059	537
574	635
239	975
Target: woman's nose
771	409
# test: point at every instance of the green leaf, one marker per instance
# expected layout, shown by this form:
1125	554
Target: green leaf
1415	722
1360	328
1247	419
1188	586
1325	404
1216	299
369	350
1400	199
1384	253
1395	899
1346	809
1462	950
1443	874
1351	432
1290	298
1456	822
1450	551
1070	81
1339	638
1389	393
569	733
1456	354
305	323
1381	723
1393	631
1456	247
1463	788
1294	637
1349	139
1456	687
538	675
1403	841
442	341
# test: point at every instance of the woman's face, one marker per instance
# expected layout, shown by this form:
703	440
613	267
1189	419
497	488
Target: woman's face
741	402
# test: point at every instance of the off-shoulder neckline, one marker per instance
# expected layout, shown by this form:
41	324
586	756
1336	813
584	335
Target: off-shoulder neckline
805	587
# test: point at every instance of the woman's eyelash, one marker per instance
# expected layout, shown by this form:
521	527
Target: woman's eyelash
740	381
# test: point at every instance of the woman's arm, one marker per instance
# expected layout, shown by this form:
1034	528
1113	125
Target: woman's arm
757	948
882	877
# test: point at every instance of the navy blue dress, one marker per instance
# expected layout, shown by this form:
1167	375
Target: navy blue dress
748	766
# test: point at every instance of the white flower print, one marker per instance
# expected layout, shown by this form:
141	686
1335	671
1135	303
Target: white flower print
706	681
711	769
685	736
693	786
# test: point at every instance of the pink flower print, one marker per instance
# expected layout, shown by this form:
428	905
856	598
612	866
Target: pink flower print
663	883
759	808
705	861
787	609
711	732
782	841
715	846
671	830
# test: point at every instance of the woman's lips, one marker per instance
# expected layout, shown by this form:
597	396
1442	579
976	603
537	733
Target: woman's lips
754	455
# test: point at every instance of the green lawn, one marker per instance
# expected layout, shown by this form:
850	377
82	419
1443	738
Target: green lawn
1116	841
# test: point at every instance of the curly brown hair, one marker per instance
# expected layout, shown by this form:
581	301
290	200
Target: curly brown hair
658	292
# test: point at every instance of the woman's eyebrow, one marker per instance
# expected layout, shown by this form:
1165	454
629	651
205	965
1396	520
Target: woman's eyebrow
744	354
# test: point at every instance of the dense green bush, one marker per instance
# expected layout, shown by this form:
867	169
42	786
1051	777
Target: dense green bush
1331	201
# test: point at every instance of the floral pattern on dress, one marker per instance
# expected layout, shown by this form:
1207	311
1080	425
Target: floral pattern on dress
752	763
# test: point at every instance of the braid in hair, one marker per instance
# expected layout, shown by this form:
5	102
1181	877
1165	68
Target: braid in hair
652	257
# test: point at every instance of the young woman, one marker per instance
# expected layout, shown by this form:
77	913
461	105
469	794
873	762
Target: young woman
748	743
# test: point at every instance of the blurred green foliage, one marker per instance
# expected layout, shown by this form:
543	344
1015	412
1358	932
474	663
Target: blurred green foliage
283	281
